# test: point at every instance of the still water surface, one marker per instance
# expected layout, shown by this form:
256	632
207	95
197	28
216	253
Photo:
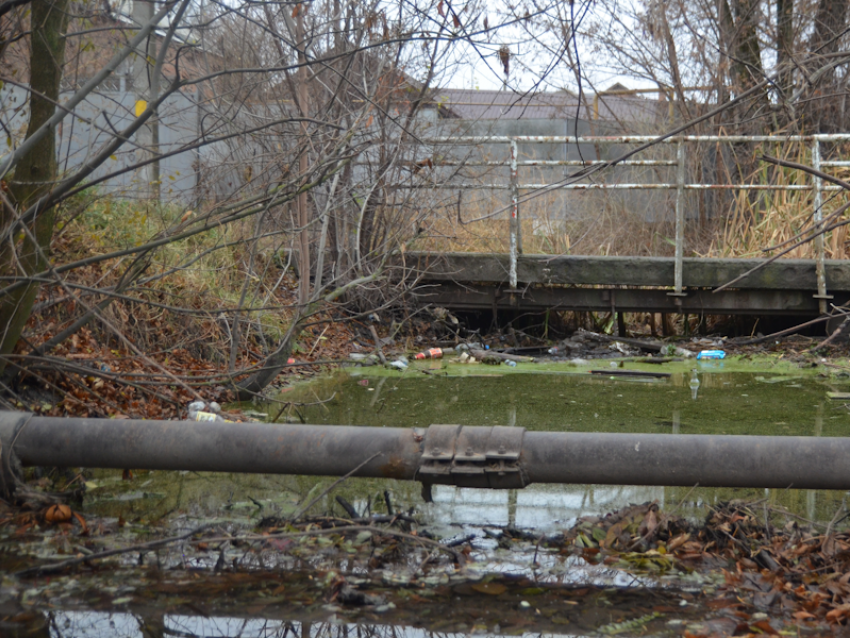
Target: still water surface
743	400
736	399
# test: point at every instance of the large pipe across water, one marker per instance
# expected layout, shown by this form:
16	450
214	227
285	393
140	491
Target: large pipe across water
468	456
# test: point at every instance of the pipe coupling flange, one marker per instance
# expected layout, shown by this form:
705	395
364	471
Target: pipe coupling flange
473	456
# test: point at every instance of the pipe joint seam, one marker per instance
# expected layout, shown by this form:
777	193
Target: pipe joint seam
473	456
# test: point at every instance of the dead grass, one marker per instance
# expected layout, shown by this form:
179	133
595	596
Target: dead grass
774	218
614	222
182	292
599	225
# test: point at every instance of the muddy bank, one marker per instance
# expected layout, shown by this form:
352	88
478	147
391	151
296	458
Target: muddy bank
642	571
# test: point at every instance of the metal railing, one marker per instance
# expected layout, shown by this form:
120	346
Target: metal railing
680	185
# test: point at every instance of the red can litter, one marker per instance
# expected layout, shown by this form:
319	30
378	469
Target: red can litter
433	353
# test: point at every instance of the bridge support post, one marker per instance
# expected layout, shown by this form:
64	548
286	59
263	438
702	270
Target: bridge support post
680	214
678	265
514	224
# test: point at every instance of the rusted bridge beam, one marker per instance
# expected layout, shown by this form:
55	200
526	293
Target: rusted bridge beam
475	297
476	281
793	274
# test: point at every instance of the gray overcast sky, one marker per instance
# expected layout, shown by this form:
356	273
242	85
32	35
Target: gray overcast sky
534	52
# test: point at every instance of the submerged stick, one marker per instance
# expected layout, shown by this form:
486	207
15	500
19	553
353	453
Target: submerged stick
480	354
331	486
787	331
55	567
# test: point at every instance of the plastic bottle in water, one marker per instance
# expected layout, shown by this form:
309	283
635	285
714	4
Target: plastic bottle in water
694	384
711	354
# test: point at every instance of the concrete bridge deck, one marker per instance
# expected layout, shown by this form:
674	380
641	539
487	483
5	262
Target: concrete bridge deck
475	281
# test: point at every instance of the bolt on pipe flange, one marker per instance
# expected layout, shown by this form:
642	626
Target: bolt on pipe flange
464	456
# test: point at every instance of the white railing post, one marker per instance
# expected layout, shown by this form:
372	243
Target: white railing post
680	221
820	264
818	186
514	224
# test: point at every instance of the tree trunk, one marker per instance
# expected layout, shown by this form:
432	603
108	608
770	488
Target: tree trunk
830	23
146	84
304	265
784	43
739	26
251	387
36	173
673	59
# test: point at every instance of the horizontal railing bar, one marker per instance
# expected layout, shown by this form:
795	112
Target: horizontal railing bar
634	139
699	187
836	163
555	163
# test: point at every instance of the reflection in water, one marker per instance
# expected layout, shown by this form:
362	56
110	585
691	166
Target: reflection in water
728	404
377	392
91	624
811	495
512	494
740	403
537	506
693	384
569	400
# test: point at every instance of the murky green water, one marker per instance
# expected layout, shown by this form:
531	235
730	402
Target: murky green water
754	403
738	398
733	397
188	596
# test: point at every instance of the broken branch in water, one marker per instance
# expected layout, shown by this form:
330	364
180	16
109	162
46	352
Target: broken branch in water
56	567
331	486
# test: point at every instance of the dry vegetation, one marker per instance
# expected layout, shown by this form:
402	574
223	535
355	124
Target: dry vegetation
728	223
169	338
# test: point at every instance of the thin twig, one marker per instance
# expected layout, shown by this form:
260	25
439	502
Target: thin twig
807	169
782	333
55	567
48	569
331	486
777	256
684	498
378	348
534	562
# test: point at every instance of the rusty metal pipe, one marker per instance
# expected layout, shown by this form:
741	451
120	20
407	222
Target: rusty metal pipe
268	448
457	454
675	459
